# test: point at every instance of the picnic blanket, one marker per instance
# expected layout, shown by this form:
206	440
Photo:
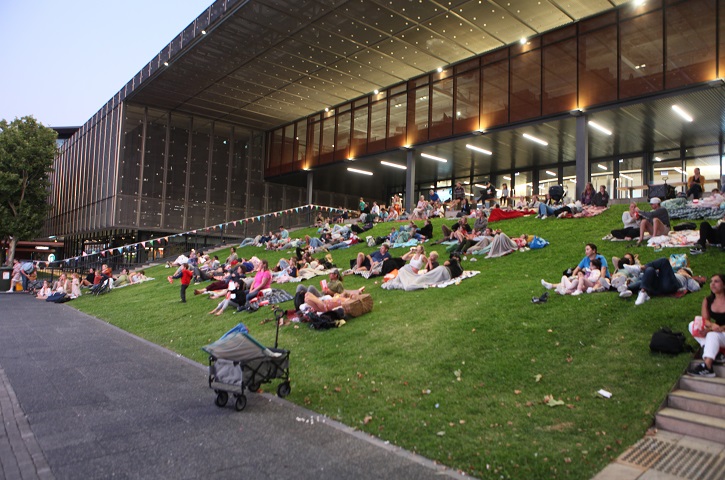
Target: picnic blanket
499	214
683	238
680	208
275	295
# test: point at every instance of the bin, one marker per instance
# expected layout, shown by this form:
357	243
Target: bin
6	274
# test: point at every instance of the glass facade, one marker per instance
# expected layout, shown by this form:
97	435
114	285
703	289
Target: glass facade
618	55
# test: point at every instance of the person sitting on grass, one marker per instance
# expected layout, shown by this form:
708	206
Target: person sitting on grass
235	291
631	222
44	291
374	261
656	222
713	235
416	258
88	280
590	253
711	335
262	280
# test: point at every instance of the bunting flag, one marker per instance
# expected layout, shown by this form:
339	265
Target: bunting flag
259	218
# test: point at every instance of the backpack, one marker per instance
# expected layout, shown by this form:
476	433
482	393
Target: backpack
665	340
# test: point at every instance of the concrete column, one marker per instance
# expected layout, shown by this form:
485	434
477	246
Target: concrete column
410	200
309	188
582	155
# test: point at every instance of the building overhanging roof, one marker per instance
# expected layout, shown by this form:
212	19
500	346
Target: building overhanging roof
261	64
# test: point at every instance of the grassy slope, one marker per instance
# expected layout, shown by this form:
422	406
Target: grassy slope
493	421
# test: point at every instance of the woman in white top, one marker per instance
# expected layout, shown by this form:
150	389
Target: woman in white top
416	258
631	220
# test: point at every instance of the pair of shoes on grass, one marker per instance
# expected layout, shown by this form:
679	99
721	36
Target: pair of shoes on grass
542	299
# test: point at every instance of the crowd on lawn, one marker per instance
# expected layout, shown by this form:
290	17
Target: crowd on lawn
239	283
69	286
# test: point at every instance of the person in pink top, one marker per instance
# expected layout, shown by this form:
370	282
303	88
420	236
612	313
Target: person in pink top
262	280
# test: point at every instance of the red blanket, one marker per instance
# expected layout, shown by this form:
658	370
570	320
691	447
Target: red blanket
498	214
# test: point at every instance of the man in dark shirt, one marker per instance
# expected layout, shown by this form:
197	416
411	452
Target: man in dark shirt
601	198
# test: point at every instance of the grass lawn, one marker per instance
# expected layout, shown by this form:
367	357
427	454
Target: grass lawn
459	375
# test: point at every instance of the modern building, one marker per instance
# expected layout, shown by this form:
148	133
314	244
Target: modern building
260	106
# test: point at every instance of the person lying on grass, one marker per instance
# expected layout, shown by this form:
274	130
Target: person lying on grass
407	280
659	278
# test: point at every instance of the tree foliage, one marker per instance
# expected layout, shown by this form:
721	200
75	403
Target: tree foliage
27	149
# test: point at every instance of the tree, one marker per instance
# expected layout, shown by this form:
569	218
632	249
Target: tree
27	149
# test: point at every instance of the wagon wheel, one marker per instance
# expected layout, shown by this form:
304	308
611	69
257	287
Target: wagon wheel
221	399
240	403
283	389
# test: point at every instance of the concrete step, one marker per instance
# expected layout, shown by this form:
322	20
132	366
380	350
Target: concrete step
719	369
710	386
692	424
697	402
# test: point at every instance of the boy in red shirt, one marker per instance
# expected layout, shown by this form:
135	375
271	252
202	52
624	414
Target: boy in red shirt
186	275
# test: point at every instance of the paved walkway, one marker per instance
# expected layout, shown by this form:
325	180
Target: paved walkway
80	398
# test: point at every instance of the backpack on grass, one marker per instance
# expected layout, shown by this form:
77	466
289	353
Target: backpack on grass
665	340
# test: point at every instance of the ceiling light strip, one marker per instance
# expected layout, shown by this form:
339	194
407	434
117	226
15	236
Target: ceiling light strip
433	157
679	111
394	165
479	149
535	139
362	172
596	126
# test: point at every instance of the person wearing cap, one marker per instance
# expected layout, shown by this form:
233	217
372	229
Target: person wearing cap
656	222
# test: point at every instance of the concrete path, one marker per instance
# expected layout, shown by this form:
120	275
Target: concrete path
80	398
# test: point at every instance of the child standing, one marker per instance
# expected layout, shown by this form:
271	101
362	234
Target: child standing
186	275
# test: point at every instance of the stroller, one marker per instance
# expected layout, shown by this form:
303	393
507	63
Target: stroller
100	288
238	362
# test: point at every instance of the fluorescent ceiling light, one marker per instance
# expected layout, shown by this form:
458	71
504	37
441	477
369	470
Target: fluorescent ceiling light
395	165
506	177
479	149
466	183
517	174
678	170
601	166
549	172
658	159
478	185
433	157
534	139
679	111
625	176
363	172
42	247
596	126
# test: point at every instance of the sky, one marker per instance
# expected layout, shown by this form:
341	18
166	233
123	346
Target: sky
61	61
